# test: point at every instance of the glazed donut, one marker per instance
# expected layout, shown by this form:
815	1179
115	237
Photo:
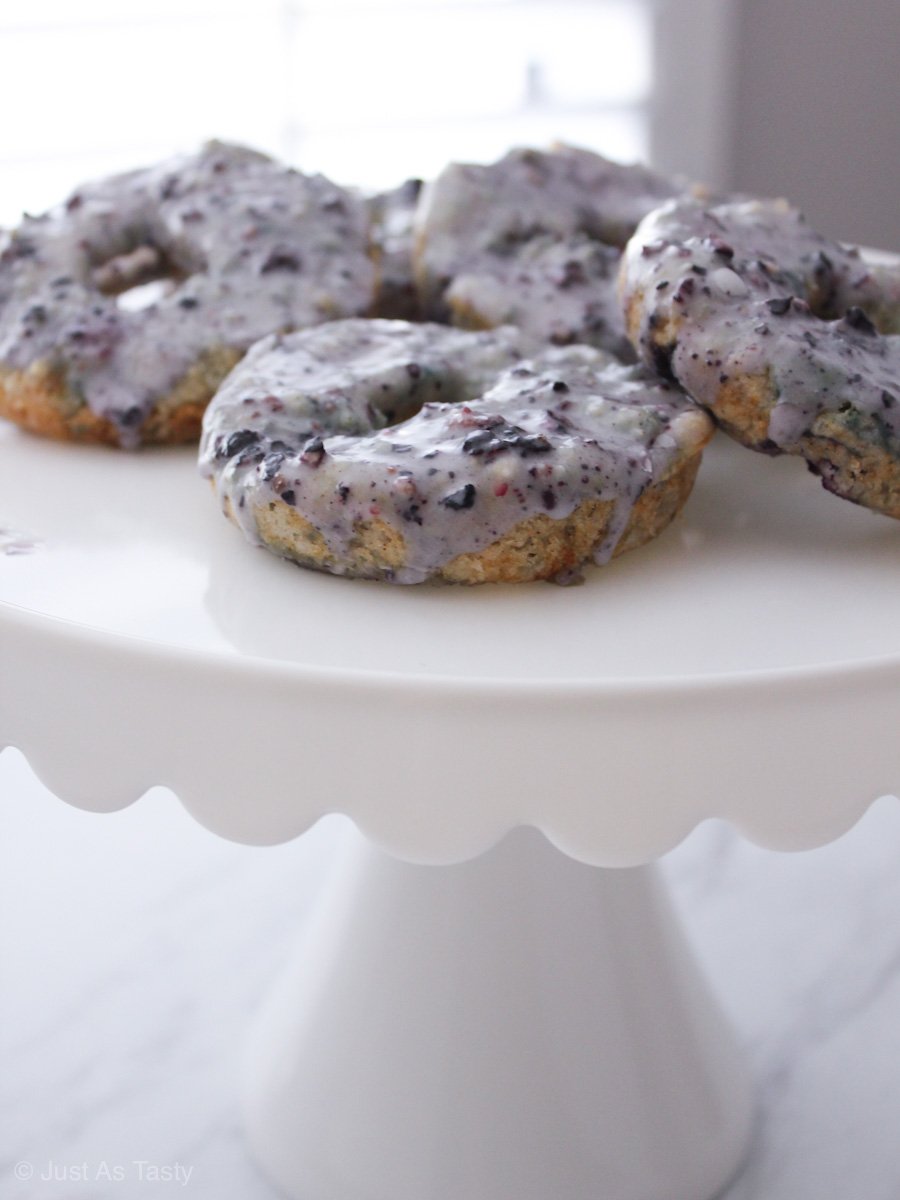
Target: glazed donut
248	246
533	240
783	336
414	452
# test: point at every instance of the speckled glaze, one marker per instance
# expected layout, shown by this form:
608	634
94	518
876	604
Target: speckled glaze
452	437
250	247
533	240
749	291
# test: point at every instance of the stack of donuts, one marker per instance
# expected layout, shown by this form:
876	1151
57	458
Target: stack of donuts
499	376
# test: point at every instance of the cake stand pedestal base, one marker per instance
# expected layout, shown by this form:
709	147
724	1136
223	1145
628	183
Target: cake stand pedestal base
516	1027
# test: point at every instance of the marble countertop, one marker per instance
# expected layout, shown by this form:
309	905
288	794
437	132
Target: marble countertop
121	1021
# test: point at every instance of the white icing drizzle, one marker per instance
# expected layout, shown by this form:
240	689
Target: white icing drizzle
452	437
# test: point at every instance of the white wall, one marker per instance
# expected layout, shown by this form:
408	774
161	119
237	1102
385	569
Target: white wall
816	115
694	77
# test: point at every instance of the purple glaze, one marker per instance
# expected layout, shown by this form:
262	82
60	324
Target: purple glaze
750	289
250	248
451	437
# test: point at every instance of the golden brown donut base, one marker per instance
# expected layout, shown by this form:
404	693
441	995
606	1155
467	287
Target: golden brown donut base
537	548
852	459
853	462
39	400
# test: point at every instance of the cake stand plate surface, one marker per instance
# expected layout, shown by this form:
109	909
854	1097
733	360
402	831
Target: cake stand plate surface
746	665
518	1025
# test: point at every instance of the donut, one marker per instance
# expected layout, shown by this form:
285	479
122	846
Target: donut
418	452
788	339
247	247
533	240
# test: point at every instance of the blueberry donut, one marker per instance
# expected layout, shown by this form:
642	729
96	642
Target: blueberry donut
246	246
418	452
787	339
534	241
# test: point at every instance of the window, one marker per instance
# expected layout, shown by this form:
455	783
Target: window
367	91
415	85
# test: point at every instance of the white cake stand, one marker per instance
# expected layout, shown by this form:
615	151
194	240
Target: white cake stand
520	1025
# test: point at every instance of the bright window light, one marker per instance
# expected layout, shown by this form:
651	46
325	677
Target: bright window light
367	91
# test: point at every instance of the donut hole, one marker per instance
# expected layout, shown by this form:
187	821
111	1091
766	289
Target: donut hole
137	276
143	295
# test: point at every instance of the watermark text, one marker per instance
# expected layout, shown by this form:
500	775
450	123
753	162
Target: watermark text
136	1170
